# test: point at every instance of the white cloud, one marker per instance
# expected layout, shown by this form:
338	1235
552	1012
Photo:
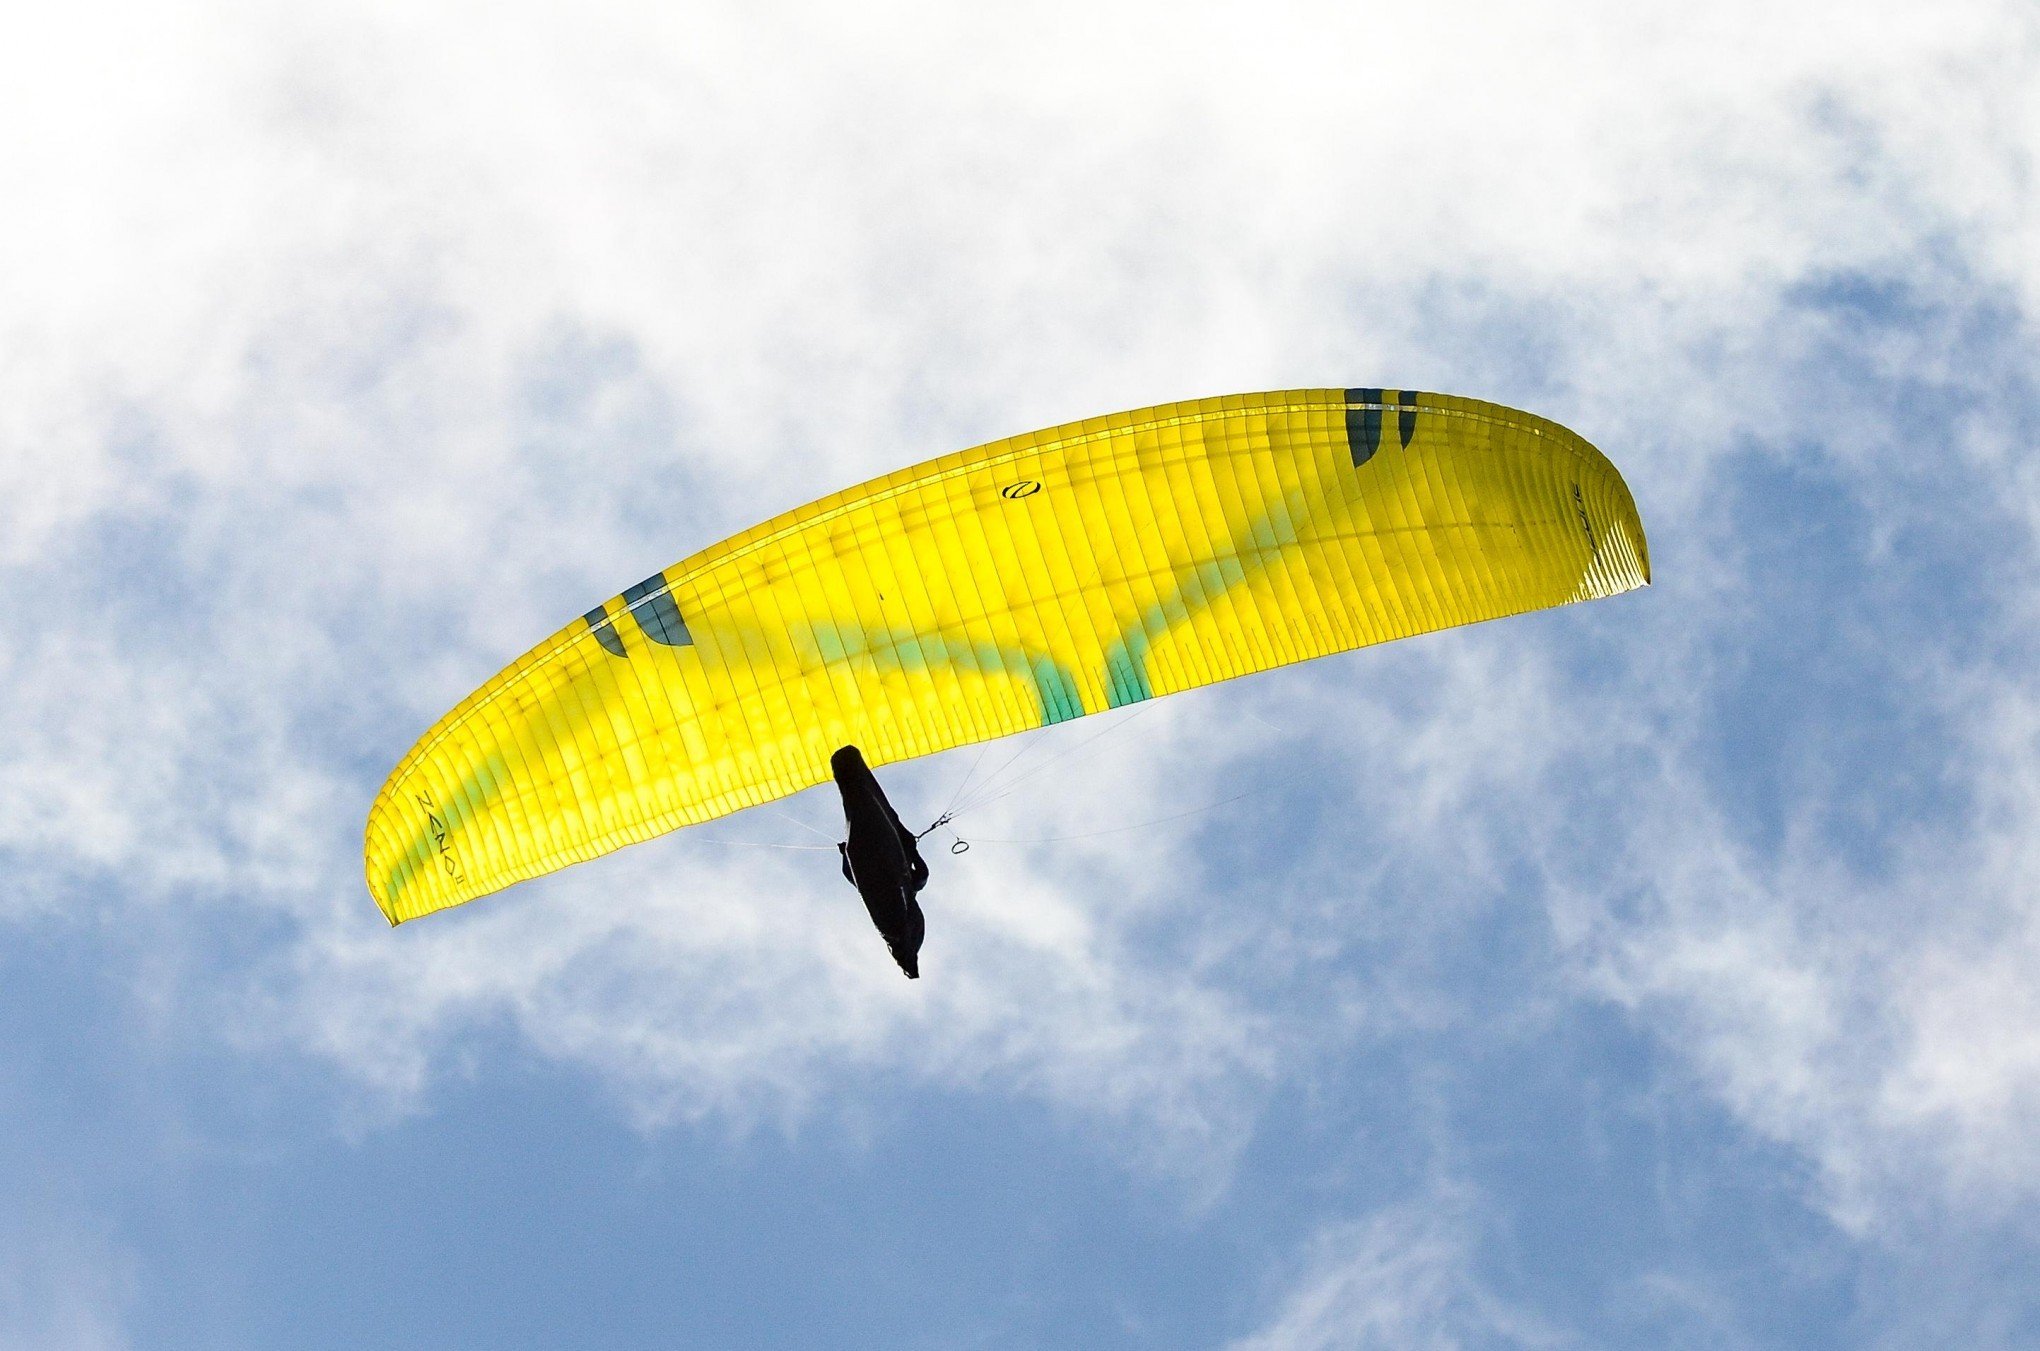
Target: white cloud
1402	1277
1879	1022
61	1288
349	347
747	985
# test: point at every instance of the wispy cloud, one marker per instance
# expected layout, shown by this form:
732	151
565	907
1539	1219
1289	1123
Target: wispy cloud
348	349
61	1286
1402	1277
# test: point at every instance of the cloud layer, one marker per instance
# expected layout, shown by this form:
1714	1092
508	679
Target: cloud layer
348	348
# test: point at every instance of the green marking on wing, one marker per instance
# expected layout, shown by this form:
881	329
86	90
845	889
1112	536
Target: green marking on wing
1054	687
567	710
1191	589
472	794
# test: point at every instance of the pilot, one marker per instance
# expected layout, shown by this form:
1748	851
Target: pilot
881	860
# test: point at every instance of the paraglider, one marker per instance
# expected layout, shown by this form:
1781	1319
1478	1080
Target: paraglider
991	592
881	859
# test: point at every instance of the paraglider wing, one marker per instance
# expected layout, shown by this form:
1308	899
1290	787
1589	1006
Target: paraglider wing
995	591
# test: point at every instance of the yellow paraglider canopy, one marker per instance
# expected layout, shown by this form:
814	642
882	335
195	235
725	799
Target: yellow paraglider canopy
995	591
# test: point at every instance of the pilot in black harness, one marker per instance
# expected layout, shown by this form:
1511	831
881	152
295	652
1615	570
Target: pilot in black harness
880	859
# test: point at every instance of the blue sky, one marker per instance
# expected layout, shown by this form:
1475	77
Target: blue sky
1655	972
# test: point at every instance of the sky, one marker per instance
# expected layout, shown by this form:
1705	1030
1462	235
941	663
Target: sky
1662	971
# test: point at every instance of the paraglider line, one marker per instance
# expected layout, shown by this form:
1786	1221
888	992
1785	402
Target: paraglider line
979	799
953	797
760	844
804	826
1027	745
